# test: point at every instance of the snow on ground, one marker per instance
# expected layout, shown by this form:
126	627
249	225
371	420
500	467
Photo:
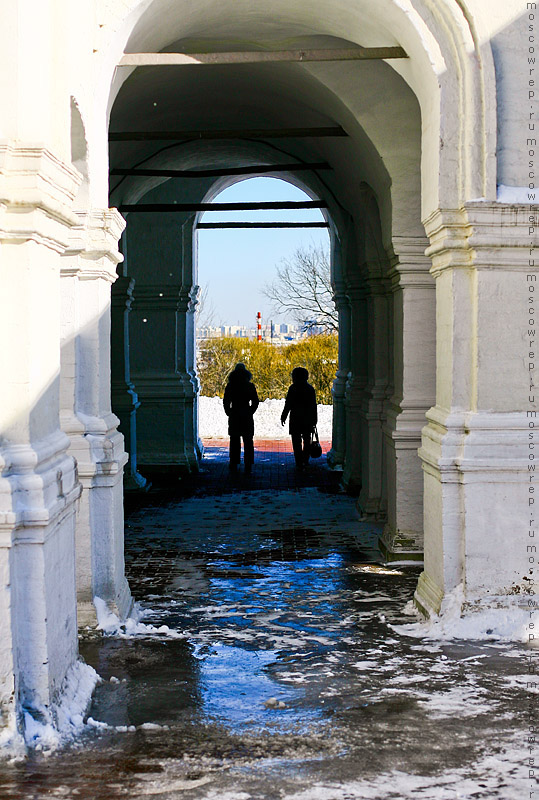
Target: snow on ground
506	624
213	422
111	625
47	733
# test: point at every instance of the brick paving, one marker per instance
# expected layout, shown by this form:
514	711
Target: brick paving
274	514
274	468
269	662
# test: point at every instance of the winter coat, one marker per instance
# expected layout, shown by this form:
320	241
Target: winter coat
240	403
301	405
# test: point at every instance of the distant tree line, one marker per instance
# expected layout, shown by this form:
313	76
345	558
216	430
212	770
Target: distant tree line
270	365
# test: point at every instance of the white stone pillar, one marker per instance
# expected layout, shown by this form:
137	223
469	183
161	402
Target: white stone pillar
414	364
163	382
337	454
355	387
389	392
88	270
475	446
124	397
372	406
38	479
191	293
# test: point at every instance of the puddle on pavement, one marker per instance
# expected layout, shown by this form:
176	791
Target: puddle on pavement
300	619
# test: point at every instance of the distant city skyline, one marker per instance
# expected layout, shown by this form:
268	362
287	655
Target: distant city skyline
235	264
281	334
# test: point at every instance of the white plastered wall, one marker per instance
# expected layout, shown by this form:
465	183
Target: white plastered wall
76	47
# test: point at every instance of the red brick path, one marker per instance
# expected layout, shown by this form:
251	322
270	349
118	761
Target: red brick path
265	445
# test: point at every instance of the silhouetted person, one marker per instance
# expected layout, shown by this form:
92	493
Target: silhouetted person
240	403
301	405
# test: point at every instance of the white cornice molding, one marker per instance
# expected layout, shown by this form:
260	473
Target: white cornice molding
92	251
482	236
37	190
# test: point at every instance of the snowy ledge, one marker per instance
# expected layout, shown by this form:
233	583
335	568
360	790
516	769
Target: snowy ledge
213	422
515	194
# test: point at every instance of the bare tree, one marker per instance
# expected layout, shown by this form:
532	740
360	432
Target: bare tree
302	288
205	311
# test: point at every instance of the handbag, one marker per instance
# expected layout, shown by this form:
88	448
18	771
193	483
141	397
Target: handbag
315	449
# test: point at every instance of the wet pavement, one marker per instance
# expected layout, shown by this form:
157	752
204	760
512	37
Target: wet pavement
266	663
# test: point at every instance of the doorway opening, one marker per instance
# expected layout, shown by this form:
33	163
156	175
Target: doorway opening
266	300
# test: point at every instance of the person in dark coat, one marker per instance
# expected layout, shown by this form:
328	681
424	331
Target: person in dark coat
301	405
240	402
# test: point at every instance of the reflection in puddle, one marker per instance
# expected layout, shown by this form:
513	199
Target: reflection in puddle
289	676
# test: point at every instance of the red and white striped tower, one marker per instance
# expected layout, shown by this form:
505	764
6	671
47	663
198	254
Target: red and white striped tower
259	327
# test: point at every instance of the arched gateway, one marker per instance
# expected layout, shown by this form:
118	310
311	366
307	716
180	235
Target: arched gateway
384	111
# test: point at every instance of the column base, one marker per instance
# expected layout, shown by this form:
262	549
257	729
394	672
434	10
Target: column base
121	606
135	482
370	511
337	454
335	460
167	445
428	596
506	617
400	546
38	625
98	448
477	512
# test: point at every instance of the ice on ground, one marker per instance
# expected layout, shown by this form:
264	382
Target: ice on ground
506	624
111	625
213	422
461	701
491	775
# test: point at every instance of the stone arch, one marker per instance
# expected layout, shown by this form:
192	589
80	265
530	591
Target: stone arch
392	174
443	99
79	154
170	295
450	64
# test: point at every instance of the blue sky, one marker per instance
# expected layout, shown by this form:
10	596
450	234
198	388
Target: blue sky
236	264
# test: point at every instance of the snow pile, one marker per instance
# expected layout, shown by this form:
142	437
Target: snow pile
506	624
512	194
111	625
11	741
41	732
213	422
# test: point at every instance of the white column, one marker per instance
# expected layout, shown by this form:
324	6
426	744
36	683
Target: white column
372	406
475	447
355	387
337	454
187	363
414	363
124	397
38	479
161	375
88	270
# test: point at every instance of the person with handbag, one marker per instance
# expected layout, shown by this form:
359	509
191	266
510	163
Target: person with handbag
240	402
301	405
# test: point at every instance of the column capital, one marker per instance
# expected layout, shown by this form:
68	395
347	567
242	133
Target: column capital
92	251
37	190
122	292
409	264
189	298
341	297
376	285
481	235
356	291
